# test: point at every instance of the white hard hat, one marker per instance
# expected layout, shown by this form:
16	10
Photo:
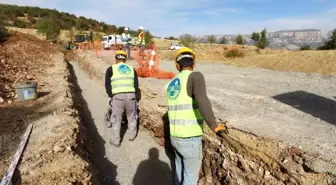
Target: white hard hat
126	29
140	27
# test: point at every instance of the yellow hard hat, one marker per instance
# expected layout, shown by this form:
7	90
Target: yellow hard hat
120	54
183	53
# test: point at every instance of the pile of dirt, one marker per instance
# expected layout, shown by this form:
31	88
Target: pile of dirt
55	153
22	55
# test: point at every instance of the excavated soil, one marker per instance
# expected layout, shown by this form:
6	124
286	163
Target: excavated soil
54	153
275	117
22	55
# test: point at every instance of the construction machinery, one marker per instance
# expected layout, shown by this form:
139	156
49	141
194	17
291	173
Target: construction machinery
80	40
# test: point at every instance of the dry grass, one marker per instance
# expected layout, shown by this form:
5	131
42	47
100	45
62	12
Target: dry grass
323	62
28	31
164	43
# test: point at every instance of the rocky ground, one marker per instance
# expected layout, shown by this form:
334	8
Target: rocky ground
54	153
284	122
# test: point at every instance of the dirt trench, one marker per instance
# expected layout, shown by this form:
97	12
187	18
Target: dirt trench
260	161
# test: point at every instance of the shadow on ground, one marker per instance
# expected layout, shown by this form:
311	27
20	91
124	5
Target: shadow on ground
169	150
152	171
315	105
104	171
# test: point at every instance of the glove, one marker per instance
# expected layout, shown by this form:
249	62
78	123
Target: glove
221	129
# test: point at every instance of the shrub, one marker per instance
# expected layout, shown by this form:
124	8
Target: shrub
32	20
255	36
240	40
187	40
49	28
211	39
19	24
223	40
305	47
331	43
234	53
263	42
3	30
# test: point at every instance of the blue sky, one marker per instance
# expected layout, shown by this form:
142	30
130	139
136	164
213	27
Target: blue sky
201	17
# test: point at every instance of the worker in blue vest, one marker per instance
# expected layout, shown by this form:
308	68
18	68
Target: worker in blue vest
126	39
122	86
188	108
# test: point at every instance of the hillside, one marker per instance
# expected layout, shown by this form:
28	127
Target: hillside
29	17
290	39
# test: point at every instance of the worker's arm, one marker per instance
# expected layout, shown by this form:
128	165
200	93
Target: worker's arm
108	87
196	89
136	86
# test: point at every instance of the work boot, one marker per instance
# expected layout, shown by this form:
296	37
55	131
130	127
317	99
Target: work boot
114	144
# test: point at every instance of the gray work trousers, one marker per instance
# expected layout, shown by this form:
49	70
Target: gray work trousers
124	102
128	48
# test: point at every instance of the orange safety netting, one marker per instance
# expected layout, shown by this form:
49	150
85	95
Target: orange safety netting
150	66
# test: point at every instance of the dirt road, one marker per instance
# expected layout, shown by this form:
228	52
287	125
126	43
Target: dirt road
139	162
285	120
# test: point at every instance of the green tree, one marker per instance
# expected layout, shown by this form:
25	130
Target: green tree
331	42
240	40
263	42
211	39
82	25
223	40
187	40
3	30
148	38
255	36
171	38
48	27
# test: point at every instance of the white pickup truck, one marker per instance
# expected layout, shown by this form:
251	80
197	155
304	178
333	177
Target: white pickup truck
175	46
109	41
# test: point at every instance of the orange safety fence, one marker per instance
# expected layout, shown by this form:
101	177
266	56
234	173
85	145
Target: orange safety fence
150	66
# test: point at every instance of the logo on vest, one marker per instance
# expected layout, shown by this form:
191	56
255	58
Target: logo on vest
124	69
174	89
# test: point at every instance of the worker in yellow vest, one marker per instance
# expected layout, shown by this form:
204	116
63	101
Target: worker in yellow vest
141	41
122	85
126	39
188	108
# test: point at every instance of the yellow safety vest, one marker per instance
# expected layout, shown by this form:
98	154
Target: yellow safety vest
139	39
125	36
185	119
122	79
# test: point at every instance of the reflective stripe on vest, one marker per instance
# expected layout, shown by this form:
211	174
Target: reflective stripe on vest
139	39
122	79
185	119
125	36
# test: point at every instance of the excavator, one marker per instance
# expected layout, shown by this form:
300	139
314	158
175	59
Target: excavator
79	40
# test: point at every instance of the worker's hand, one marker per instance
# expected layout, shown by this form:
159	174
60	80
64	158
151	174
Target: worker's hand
221	129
